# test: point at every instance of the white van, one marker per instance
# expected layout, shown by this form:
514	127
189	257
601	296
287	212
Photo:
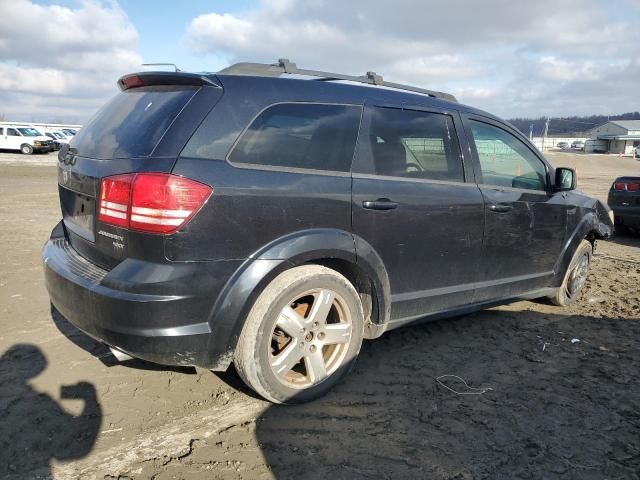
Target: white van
57	137
25	139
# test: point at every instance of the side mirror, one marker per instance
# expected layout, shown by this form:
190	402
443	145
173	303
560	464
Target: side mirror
565	179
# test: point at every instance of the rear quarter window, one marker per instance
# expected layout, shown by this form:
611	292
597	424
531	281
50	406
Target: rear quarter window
132	123
300	135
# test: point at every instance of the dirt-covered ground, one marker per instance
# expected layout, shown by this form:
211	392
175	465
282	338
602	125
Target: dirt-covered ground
552	392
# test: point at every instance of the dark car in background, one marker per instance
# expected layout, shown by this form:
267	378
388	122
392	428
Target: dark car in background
624	200
276	223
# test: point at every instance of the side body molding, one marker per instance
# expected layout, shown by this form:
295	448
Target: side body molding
232	306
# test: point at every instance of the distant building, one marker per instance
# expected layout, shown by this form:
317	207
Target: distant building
615	136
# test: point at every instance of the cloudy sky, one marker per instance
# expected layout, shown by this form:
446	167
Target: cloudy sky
60	59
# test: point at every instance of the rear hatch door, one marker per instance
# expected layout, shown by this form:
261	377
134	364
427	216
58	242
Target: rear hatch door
141	129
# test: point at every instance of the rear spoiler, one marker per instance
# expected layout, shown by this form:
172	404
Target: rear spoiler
142	79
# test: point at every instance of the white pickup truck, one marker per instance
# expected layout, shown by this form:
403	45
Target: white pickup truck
24	138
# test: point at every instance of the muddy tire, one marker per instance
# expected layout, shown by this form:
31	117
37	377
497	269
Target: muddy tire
26	149
575	276
301	336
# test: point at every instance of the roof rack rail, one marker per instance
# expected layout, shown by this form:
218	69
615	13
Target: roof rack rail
285	66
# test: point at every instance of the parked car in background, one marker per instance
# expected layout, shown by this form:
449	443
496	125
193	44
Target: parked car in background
58	138
69	132
218	218
624	200
563	145
24	139
577	144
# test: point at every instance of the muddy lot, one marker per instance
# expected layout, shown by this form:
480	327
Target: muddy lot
557	391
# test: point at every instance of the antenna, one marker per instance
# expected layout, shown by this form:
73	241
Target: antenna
162	64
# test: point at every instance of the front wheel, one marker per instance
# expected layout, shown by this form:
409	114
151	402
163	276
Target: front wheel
26	149
576	275
302	335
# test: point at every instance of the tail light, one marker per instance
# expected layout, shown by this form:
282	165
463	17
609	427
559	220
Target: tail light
150	202
630	187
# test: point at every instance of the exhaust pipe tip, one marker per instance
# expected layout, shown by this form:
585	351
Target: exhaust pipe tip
120	356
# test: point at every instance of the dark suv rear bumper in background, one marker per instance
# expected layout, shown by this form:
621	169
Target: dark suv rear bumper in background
140	308
629	216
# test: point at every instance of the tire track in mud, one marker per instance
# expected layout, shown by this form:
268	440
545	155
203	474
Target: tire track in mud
164	445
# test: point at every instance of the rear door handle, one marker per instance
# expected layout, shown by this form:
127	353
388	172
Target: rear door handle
379	204
500	208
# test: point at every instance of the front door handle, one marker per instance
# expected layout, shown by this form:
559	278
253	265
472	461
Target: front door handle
500	208
379	204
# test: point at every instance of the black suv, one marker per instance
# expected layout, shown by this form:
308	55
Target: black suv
277	222
624	200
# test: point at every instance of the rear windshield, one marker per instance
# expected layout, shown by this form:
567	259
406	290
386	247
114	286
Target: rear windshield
132	123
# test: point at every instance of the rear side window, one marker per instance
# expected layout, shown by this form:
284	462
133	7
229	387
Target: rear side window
301	135
413	144
132	123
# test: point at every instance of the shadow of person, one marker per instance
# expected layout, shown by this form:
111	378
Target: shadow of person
34	429
518	398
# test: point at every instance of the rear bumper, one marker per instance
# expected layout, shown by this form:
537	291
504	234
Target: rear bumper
155	312
629	216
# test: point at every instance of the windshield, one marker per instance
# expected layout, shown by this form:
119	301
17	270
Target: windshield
29	132
58	135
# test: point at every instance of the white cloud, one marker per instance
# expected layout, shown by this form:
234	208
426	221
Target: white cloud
517	58
61	63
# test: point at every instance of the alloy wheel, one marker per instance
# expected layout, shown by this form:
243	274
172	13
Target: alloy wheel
310	338
578	275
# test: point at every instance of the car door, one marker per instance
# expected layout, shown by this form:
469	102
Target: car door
13	138
525	221
416	203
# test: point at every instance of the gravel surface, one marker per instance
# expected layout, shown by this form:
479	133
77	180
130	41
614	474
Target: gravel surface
550	392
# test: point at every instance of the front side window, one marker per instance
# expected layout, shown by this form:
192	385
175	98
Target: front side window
12	132
505	161
301	135
422	145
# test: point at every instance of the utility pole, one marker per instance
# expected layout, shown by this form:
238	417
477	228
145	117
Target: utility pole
544	134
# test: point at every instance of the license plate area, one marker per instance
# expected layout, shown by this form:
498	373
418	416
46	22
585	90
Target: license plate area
78	213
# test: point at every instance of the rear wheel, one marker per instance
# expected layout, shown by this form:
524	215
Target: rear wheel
26	149
302	335
576	275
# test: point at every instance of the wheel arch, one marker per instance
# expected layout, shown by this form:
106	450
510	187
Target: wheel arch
333	248
591	227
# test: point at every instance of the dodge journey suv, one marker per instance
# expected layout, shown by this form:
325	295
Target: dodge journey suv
275	223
